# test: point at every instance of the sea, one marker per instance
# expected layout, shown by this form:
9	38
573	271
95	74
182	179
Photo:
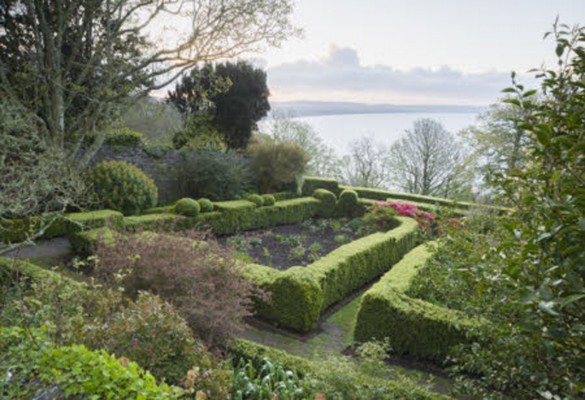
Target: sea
338	131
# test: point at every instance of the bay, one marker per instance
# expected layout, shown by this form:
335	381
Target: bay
338	131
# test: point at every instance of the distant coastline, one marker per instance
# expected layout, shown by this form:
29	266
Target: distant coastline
318	108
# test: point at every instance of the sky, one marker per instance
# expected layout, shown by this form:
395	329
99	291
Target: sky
413	51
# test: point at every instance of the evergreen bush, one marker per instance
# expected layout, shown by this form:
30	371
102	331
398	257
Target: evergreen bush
205	205
123	187
187	207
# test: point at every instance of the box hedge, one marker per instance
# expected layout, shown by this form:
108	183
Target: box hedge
301	294
16	230
414	327
312	183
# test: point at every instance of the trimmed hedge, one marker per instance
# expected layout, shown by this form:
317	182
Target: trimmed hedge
205	205
15	230
150	221
328	202
299	295
255	352
256	199
414	327
347	204
187	207
11	268
83	243
312	183
234	205
268	199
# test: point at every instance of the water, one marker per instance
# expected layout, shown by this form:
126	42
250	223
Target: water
337	131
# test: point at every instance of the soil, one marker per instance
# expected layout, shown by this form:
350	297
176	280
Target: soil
299	244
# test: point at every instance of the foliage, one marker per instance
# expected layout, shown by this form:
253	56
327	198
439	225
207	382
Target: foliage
268	199
234	97
347	205
322	160
327	200
33	364
414	327
277	165
300	294
199	133
37	179
214	175
73	64
200	278
205	205
529	277
256	199
380	218
157	121
187	207
121	186
151	333
312	183
269	381
124	137
428	161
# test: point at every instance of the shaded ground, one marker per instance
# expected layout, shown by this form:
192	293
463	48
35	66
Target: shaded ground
286	246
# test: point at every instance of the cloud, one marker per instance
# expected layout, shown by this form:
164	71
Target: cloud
342	72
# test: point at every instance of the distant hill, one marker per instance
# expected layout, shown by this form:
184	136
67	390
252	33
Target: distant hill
315	108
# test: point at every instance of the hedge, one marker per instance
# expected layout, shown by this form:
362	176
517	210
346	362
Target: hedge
11	268
299	295
83	243
16	230
245	349
149	221
414	327
312	183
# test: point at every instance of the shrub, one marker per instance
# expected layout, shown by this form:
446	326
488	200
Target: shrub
123	187
150	332
256	199
124	137
191	270
268	199
277	165
70	371
347	205
328	202
205	205
380	218
187	207
312	183
214	175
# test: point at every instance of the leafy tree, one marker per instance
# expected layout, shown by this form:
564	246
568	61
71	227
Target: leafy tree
526	271
235	95
497	142
428	161
72	62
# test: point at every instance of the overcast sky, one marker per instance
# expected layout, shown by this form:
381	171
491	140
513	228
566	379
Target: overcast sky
413	51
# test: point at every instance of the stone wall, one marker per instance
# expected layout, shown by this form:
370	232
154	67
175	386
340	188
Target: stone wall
159	164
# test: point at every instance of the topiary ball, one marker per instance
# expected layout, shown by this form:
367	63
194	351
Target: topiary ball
256	199
268	199
205	205
123	187
347	205
187	207
328	202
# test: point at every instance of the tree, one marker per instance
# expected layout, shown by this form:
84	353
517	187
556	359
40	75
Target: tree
322	160
234	95
367	164
498	143
71	62
427	161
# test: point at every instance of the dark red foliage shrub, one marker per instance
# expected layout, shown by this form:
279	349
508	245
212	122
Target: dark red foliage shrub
190	270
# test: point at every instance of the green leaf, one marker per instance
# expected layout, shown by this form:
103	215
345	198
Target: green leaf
547	307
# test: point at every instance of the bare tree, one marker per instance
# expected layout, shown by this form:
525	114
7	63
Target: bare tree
427	161
72	61
367	163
